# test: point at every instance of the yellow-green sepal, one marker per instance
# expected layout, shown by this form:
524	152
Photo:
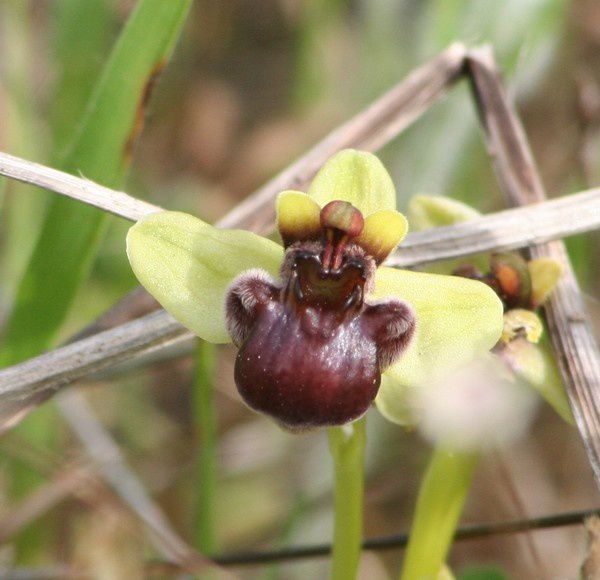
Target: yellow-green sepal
357	177
396	400
187	265
457	320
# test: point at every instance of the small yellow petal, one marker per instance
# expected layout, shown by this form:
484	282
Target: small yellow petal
519	321
545	273
298	217
382	232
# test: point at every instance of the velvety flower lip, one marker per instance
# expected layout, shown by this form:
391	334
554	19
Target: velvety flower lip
312	347
318	320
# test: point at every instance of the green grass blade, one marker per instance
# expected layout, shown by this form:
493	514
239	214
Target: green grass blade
80	34
76	61
100	151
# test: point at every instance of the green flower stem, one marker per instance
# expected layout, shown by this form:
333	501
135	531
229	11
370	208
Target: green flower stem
439	505
347	446
206	437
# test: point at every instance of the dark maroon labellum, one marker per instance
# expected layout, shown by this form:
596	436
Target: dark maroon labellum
311	349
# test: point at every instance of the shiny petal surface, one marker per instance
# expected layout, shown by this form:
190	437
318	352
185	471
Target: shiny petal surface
457	320
357	177
382	232
298	217
187	265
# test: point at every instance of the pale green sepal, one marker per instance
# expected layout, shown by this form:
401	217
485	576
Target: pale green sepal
187	265
357	177
433	211
536	365
395	400
457	320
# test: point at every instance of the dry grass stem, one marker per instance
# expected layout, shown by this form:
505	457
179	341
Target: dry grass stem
26	384
514	228
398	541
369	130
111	464
63	365
109	200
505	230
67	481
572	338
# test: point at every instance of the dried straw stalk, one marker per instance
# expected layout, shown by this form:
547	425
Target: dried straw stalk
572	338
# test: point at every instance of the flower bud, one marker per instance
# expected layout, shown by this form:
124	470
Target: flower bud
512	276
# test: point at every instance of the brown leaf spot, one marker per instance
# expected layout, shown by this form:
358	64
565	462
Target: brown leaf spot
140	113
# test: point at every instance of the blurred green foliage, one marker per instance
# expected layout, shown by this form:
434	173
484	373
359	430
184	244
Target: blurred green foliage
482	573
101	150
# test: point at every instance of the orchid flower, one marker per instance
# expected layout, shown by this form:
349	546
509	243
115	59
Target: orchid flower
318	320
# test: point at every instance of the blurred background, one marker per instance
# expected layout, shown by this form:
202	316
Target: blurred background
251	86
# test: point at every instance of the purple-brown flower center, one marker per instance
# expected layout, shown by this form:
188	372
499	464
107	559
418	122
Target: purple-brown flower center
311	348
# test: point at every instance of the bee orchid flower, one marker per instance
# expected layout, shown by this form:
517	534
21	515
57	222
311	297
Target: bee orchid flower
318	319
